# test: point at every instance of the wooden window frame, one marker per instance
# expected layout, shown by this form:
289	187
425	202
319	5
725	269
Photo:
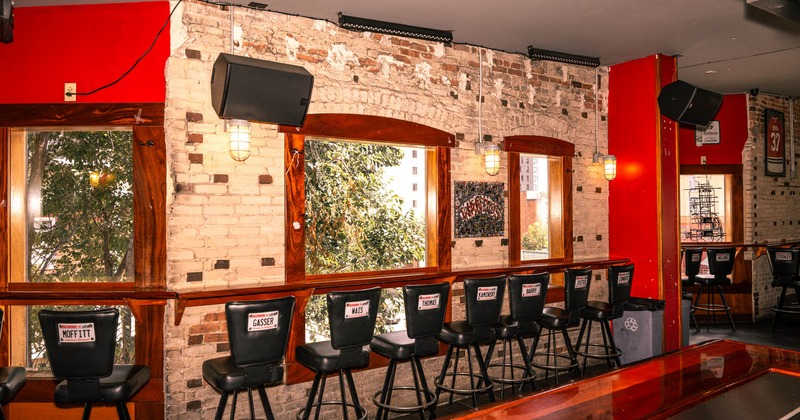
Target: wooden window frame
146	296
560	155
376	130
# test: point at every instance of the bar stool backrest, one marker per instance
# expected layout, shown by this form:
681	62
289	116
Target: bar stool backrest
576	291
784	262
352	316
692	257
620	279
426	306
80	344
258	331
526	295
720	261
484	300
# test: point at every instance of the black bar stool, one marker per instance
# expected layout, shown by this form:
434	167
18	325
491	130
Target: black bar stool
691	260
720	266
526	295
80	346
576	296
352	316
12	379
785	264
484	299
619	292
258	332
426	306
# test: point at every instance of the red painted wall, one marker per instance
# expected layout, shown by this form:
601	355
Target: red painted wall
91	45
632	204
732	118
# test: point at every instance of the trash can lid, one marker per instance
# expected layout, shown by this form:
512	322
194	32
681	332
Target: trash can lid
645	304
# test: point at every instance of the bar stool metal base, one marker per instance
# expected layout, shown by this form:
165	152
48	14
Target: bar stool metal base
475	388
383	398
527	376
319	386
571	357
712	308
607	351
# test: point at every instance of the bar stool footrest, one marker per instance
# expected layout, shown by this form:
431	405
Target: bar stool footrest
572	364
336	403
430	397
793	308
617	352
505	381
463	391
708	307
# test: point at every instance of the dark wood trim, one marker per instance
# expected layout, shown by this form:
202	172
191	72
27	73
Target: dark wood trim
566	203
539	145
514	213
371	128
57	115
4	213
294	168
444	210
150	207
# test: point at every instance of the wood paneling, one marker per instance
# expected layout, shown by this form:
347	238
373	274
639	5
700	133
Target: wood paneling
539	145
294	168
62	115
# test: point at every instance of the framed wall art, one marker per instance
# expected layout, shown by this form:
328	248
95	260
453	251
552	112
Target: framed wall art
479	209
774	144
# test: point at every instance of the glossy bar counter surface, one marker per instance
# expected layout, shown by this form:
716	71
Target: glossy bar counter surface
717	379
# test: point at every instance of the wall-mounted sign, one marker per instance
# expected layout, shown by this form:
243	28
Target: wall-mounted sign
708	134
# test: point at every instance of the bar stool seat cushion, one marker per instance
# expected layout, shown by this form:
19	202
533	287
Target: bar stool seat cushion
397	345
124	381
506	328
597	311
322	357
224	376
12	379
554	318
461	334
711	280
789	281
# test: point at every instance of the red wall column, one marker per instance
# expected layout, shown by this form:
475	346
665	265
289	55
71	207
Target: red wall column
643	199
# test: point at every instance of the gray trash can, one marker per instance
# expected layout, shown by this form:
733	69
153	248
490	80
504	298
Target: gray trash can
686	316
638	332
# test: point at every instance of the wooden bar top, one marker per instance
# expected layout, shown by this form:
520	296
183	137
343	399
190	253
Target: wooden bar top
324	284
655	388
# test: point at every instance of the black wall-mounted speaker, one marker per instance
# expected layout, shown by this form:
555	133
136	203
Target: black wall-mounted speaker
245	88
688	104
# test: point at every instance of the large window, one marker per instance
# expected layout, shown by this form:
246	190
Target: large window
365	206
71	220
366	196
85	221
540	198
706	208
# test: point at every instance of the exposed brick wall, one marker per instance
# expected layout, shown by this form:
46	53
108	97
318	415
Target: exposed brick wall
225	221
770	203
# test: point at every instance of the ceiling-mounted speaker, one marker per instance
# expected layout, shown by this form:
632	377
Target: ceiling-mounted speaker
688	104
245	88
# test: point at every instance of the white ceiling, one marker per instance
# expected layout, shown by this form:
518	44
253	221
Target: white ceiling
725	46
